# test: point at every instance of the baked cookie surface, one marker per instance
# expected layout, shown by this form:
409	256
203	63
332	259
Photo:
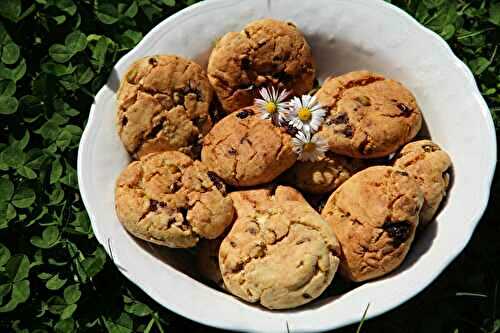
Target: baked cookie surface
324	175
168	199
429	165
280	252
266	52
245	150
367	115
374	215
163	104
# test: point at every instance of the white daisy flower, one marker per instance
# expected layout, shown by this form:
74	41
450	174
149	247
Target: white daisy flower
272	105
309	148
305	113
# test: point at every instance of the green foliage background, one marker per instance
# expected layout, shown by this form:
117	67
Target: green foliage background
54	277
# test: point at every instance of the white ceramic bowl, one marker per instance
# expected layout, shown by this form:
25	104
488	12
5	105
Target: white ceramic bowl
344	35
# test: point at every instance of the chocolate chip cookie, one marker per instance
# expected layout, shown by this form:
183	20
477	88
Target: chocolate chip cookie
245	150
168	199
429	165
374	215
265	53
324	175
367	115
280	252
163	104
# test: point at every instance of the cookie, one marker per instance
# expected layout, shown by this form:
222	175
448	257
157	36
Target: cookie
207	260
266	52
168	199
280	252
374	215
324	175
367	115
245	150
429	166
163	104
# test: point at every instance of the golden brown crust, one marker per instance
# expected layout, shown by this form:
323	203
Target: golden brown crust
163	104
245	150
429	165
168	199
279	252
267	52
374	215
367	115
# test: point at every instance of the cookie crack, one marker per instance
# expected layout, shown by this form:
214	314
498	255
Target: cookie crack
419	157
317	271
281	148
345	87
324	237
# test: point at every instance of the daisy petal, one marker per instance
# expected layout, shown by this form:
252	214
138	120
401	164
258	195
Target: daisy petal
265	94
283	95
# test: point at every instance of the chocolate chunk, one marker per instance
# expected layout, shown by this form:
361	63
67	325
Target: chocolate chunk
178	98
246	63
348	131
153	205
362	82
238	267
430	148
153	61
198	94
345	215
398	231
124	121
341	118
306	296
175	187
406	111
402	173
243	114
232	151
217	181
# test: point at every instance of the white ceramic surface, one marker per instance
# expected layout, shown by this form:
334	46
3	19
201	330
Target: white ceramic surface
345	35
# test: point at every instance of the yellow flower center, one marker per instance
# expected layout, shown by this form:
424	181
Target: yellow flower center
309	147
304	114
271	107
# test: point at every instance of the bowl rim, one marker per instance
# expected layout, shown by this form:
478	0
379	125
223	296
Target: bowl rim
418	287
